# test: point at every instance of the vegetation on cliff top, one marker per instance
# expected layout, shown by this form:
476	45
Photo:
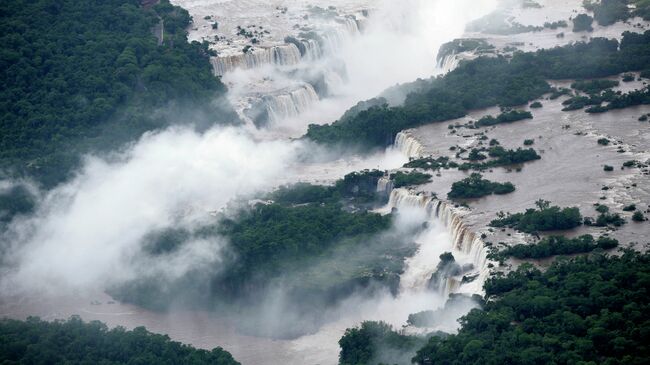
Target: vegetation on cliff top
81	76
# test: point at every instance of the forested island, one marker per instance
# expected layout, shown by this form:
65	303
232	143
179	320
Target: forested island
321	244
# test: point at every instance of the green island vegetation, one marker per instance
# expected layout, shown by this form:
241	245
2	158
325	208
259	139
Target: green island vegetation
544	218
558	245
320	242
614	100
356	187
633	164
476	187
629	208
605	219
82	76
608	219
431	163
594	86
608	12
638	216
507	117
529	142
476	155
486	82
77	342
402	179
536	105
585	310
582	23
556	24
500	157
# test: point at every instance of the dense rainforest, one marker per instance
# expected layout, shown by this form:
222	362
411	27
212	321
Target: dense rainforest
586	310
77	342
86	76
485	82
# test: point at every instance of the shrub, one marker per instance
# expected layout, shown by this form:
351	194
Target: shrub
582	23
594	86
629	208
476	187
507	117
608	168
559	245
630	163
638	216
402	179
545	218
606	219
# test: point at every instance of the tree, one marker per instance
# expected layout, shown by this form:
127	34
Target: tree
582	23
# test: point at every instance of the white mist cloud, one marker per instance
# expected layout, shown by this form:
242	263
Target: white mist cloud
399	45
88	232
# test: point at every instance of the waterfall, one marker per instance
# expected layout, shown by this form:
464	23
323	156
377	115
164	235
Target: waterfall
282	55
313	49
409	145
291	104
336	35
350	24
448	63
385	186
447	232
362	24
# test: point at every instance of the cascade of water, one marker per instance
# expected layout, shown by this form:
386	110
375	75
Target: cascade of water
335	36
409	145
448	63
313	49
384	186
291	104
282	55
456	237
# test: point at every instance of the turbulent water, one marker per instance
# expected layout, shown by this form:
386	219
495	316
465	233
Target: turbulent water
447	233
